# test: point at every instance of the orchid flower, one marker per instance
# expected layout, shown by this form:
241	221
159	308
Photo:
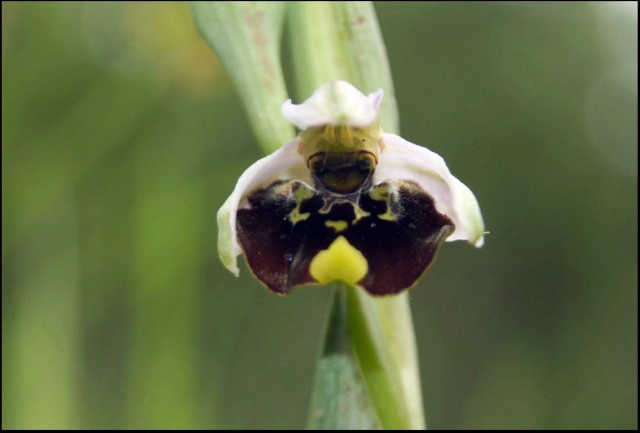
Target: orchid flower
344	201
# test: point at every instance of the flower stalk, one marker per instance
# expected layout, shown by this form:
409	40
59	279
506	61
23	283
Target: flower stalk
342	40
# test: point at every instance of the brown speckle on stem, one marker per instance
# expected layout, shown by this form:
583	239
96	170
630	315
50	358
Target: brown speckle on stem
256	22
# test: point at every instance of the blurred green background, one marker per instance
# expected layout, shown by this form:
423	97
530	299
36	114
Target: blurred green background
122	136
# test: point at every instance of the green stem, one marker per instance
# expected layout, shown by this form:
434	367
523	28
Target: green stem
384	341
341	40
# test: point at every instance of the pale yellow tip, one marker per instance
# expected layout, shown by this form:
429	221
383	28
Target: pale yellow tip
341	261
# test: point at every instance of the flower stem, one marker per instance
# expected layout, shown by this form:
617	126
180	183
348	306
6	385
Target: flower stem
384	341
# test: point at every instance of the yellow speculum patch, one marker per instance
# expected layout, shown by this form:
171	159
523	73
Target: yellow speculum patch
359	212
341	261
296	216
338	226
383	193
300	195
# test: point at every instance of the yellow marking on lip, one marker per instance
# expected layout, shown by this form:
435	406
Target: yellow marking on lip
295	216
359	212
341	261
300	194
338	226
384	193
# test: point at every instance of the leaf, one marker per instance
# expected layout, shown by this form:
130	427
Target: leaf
246	38
367	55
341	400
317	46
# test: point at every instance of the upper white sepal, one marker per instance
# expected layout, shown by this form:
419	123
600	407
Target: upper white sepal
335	103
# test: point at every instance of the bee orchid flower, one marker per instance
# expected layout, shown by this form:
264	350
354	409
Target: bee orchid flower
344	201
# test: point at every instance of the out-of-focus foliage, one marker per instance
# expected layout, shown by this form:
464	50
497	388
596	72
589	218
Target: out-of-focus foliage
121	137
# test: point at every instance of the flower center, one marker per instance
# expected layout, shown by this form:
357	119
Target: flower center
342	172
341	158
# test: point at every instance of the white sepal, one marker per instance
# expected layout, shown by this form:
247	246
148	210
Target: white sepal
400	159
335	103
